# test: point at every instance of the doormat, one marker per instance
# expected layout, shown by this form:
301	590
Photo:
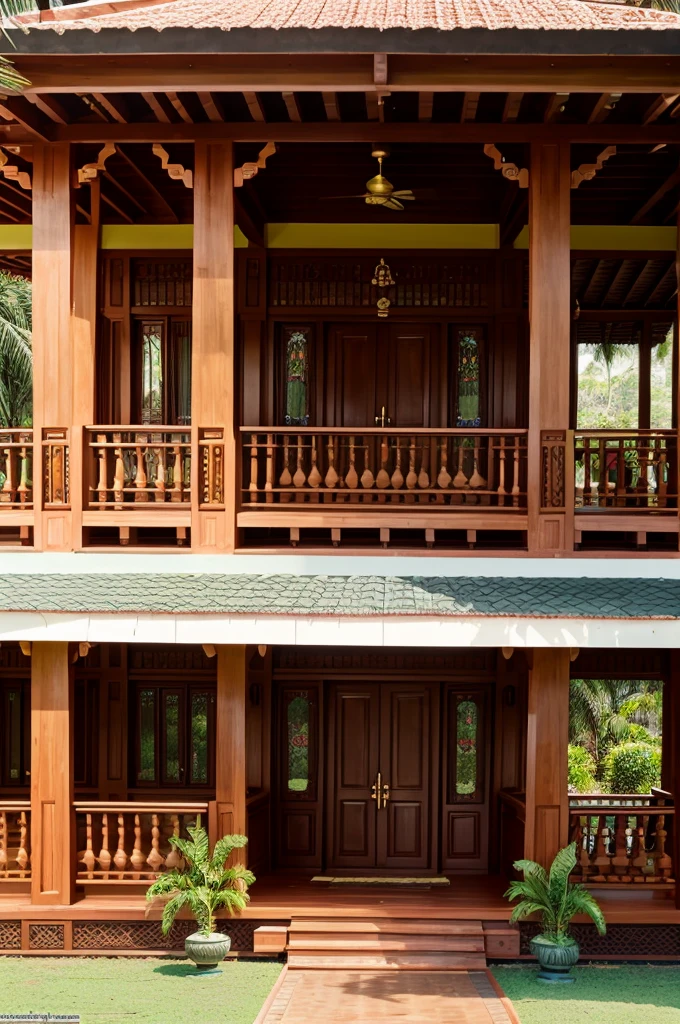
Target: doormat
379	880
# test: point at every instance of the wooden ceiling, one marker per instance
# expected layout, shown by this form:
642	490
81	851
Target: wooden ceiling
639	282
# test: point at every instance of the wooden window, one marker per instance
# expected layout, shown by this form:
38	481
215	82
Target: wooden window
467	755
174	735
468	354
86	731
15	725
163	373
151	341
299	744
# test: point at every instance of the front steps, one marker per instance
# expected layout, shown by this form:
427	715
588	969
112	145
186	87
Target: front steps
385	944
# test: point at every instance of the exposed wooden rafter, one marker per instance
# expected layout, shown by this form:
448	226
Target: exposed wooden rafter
17	108
585	172
88	172
555	106
172	216
470	104
209	104
425	105
175	171
51	106
513	101
249	169
291	106
180	108
659	107
604	105
254	106
330	102
509	170
113	105
671	182
157	107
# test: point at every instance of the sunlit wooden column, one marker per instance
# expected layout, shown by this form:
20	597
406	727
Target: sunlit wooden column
228	813
550	468
52	822
52	349
670	751
83	339
213	394
547	801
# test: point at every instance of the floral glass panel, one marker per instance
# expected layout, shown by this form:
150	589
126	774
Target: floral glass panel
297	378
152	373
147	736
199	736
298	721
172	765
14	727
468	397
467	739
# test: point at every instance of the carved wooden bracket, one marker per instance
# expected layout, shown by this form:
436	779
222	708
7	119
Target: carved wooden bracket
176	171
23	178
249	170
587	171
510	171
88	172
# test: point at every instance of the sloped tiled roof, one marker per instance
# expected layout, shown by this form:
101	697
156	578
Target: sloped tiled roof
355	596
441	15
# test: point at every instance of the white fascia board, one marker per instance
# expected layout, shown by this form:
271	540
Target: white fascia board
370	631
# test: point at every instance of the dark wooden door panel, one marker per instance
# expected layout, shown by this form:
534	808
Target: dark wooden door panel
466	777
354	350
409	359
353	748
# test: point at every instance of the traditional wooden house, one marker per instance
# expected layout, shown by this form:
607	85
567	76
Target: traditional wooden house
309	529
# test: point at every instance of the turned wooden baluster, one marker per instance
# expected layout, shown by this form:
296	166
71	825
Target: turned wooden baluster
620	489
411	476
285	480
444	478
477	481
88	858
24	496
161	474
137	858
602	858
269	475
661	479
332	478
460	480
397	476
300	477
140	476
663	863
314	479
352	479
382	480
587	485
500	490
4	864
620	858
119	474
120	858
644	448
603	483
639	858
174	859
423	475
515	474
102	460
177	492
367	478
104	857
8	492
252	486
155	859
23	857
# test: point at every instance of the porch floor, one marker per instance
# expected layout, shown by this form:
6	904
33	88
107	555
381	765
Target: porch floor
278	896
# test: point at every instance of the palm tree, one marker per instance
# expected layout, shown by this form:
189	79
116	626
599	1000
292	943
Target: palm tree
16	357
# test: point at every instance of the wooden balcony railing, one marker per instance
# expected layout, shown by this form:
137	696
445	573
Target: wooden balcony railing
128	842
16	468
626	470
623	839
15	841
456	468
134	465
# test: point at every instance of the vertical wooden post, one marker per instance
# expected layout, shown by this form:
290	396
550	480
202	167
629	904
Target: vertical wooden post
547	801
213	401
550	470
228	813
83	335
670	752
52	350
52	821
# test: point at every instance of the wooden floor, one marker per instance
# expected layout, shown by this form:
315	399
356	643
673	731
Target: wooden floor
278	896
354	997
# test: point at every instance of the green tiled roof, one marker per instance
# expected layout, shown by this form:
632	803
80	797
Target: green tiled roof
216	593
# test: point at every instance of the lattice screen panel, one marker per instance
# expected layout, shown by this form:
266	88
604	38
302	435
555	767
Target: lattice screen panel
621	940
45	936
96	935
10	934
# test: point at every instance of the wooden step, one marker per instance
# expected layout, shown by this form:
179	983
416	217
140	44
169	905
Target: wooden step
419	961
388	925
387	942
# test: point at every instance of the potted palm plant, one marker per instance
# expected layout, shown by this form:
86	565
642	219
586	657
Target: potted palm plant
203	884
557	900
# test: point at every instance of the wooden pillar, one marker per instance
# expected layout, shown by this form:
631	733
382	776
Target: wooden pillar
670	752
228	813
83	339
52	349
52	820
547	801
213	402
550	469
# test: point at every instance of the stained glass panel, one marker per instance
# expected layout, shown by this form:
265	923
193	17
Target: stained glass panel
298	719
147	736
468	398
466	748
172	765
297	378
199	737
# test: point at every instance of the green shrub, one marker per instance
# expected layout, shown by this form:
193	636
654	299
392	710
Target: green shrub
638	734
581	770
632	768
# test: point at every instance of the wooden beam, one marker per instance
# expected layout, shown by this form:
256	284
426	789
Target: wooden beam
113	105
254	106
52	833
159	111
330	102
119	210
555	106
229	815
671	182
50	106
603	107
550	518
210	106
513	101
547	802
52	347
470	104
291	106
380	69
213	362
17	108
374	108
659	106
398	132
128	195
425	105
149	184
180	108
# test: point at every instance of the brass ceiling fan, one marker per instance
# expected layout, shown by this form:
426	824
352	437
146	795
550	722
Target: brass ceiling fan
380	191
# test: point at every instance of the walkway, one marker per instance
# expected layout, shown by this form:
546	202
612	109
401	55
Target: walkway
409	997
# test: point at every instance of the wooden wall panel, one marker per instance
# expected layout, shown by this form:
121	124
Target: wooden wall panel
228	811
213	363
547	802
52	819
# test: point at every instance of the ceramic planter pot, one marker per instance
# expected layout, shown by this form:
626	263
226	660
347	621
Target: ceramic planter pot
556	961
207	951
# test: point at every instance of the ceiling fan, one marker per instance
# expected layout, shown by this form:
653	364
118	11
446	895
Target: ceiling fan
380	191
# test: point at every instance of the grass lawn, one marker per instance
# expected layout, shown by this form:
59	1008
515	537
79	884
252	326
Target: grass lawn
600	995
141	991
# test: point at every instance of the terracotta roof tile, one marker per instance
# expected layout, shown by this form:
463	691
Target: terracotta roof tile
443	15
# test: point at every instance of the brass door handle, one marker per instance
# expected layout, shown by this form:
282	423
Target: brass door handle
385	793
377	790
382	420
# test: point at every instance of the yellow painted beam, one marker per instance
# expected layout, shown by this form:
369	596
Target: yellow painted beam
382	236
614	236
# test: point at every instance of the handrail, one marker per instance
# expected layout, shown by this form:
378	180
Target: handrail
142	807
517	801
399	431
15	805
611	810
